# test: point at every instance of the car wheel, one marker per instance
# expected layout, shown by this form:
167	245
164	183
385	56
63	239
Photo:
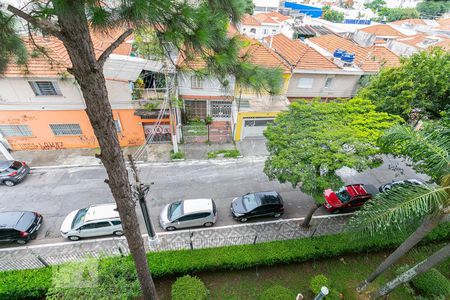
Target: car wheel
118	233
9	183
208	224
243	220
74	238
277	215
21	242
170	228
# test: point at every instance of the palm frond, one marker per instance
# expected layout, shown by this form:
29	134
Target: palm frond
429	149
399	207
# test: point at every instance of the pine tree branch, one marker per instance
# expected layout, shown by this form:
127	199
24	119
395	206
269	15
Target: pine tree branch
44	25
101	60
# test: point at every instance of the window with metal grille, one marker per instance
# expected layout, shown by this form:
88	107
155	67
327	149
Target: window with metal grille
221	109
195	108
66	129
45	88
118	126
15	130
328	82
196	82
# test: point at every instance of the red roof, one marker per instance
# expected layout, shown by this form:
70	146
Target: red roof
249	20
382	30
410	21
298	54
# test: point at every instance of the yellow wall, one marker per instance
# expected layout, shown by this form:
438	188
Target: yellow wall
250	114
43	138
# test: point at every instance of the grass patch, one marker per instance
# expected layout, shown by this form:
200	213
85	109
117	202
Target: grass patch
224	153
178	155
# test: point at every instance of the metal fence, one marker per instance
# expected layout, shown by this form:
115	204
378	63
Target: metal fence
30	257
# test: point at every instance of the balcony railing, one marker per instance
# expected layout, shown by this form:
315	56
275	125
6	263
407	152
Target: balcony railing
151	98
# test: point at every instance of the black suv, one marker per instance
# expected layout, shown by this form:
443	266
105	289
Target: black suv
12	172
260	204
19	226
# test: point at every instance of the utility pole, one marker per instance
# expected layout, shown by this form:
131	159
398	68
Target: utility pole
4	149
140	191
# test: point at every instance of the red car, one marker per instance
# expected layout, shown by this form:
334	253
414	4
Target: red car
348	197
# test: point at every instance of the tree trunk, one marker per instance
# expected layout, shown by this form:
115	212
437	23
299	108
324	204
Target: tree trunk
427	225
89	75
418	269
308	217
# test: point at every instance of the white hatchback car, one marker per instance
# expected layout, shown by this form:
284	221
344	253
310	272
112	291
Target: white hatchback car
188	213
96	220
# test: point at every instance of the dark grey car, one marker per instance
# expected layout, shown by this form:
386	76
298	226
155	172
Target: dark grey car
12	172
19	226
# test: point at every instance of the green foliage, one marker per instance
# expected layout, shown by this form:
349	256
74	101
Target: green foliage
146	44
308	143
421	82
317	282
432	284
432	9
225	153
332	15
208	120
375	5
11	47
178	155
189	288
277	292
249	7
117	273
395	14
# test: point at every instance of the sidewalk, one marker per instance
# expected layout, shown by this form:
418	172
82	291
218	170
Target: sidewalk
149	153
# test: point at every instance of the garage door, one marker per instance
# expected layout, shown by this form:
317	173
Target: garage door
255	127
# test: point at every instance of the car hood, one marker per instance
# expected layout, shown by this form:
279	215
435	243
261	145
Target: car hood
163	218
238	206
66	226
331	198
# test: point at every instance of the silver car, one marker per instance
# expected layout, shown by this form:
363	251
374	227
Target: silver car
188	213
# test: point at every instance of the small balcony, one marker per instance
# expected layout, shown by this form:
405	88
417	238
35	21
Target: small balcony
148	101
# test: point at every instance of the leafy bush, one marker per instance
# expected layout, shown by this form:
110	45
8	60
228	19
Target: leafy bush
35	283
432	284
317	282
178	155
277	292
226	153
189	288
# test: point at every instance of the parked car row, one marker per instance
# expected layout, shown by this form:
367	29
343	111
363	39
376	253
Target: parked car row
101	220
12	172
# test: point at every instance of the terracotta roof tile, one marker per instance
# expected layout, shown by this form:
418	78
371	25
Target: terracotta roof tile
55	61
277	16
410	21
369	59
382	30
249	20
444	24
445	44
298	54
263	18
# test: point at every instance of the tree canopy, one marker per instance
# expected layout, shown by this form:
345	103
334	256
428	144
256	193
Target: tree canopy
422	82
375	5
332	15
11	47
311	140
433	9
395	14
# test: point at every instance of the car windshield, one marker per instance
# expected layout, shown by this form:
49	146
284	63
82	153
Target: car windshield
175	210
16	165
343	195
25	221
250	201
79	218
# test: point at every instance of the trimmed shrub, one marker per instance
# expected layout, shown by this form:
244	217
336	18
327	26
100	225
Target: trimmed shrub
277	292
317	282
178	155
35	283
432	284
189	288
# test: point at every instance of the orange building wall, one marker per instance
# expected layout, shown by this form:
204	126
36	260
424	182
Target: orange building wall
43	138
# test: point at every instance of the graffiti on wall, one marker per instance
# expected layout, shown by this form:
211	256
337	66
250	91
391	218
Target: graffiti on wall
88	140
30	146
19	120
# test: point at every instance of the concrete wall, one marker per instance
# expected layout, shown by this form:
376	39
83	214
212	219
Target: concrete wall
211	86
43	138
401	49
341	86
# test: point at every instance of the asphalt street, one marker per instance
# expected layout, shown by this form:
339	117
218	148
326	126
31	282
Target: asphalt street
57	191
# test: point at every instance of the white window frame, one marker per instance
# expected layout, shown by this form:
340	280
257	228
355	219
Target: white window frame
305	83
266	31
196	82
118	126
37	86
8	130
66	129
328	82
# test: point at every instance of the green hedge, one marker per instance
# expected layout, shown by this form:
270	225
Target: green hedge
35	283
189	288
432	284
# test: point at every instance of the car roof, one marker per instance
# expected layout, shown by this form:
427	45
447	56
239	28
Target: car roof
197	205
4	164
270	197
100	212
9	219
